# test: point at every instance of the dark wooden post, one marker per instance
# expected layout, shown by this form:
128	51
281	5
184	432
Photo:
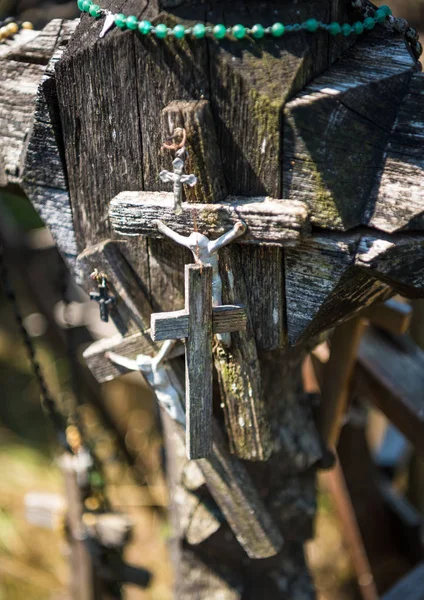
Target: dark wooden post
332	125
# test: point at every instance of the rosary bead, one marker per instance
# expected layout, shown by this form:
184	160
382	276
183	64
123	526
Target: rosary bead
199	31
258	31
27	25
161	31
144	27
12	28
86	5
239	31
132	22
358	27
95	11
277	29
120	21
334	28
179	31
369	23
311	25
80	4
219	32
380	16
346	29
387	10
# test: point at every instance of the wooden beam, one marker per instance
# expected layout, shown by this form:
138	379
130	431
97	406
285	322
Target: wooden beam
269	221
394	373
199	364
175	325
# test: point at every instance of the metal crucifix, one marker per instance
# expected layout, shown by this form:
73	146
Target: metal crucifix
178	178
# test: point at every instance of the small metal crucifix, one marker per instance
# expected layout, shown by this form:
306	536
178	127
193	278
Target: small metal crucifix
196	324
178	178
102	295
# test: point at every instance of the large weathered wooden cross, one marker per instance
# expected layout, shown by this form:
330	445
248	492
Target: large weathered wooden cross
265	221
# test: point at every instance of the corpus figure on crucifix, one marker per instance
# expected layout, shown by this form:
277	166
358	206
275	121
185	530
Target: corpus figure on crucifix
205	252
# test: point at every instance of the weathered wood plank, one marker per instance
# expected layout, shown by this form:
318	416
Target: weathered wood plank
397	202
175	325
397	260
268	221
337	130
199	364
395	377
239	374
203	153
323	286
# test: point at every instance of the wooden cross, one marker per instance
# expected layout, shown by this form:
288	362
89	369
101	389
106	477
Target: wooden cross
196	324
178	178
102	296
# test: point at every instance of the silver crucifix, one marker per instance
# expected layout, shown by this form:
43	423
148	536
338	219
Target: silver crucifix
205	252
178	177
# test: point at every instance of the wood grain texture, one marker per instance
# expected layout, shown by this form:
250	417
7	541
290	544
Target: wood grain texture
395	376
274	222
199	365
239	374
398	199
324	286
174	325
131	312
43	172
337	376
204	158
337	131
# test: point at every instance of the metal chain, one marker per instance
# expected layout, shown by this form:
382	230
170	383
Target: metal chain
46	397
395	24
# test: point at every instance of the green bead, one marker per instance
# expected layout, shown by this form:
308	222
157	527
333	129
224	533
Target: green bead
161	30
277	29
179	31
369	23
219	32
120	21
132	22
144	27
239	31
346	29
387	10
380	16
199	31
95	11
258	31
86	5
80	4
311	25
334	29
358	27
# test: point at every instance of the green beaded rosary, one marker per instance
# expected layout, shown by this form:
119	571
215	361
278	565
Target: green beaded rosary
238	32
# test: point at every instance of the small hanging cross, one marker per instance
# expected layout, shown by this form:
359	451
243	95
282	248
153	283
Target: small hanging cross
102	296
178	178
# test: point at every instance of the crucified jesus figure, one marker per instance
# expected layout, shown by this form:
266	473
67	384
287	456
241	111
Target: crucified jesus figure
205	252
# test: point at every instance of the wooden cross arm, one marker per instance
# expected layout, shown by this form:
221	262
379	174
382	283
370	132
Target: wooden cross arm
174	325
269	222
